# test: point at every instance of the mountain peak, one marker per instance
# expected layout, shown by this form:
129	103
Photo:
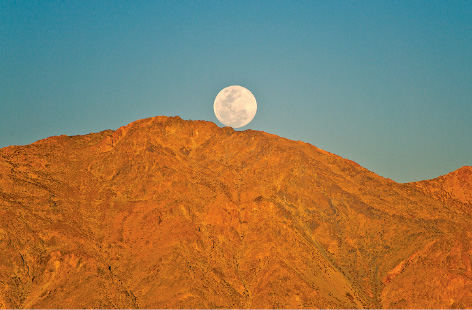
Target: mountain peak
169	213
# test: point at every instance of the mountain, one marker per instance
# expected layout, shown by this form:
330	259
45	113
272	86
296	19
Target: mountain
168	213
453	188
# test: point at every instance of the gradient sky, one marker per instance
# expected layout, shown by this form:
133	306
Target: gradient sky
387	84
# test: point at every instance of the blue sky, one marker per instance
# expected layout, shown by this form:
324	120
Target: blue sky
387	84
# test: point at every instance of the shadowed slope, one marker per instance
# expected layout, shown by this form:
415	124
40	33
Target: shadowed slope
166	213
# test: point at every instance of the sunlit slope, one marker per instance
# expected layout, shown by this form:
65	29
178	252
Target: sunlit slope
167	213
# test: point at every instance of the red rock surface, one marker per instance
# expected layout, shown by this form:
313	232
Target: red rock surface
167	213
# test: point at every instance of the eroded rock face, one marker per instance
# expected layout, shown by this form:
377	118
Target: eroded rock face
167	213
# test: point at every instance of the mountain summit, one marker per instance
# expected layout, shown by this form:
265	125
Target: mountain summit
167	213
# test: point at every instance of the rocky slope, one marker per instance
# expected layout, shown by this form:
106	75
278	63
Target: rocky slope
454	188
167	213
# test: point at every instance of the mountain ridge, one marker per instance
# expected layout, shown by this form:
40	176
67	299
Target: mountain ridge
455	185
165	213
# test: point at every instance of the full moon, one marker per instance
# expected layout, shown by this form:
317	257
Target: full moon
235	106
